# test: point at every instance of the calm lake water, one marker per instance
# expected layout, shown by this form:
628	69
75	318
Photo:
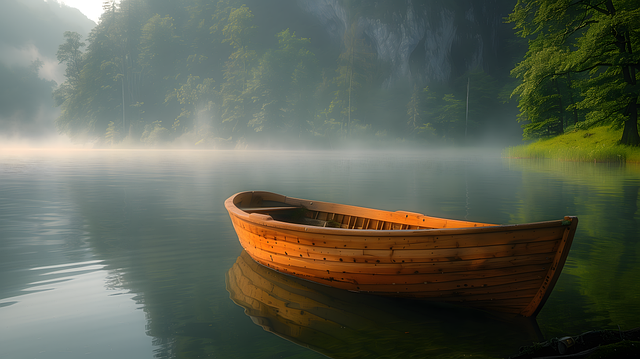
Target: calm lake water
131	254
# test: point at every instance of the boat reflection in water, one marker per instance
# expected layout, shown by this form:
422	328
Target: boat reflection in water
342	324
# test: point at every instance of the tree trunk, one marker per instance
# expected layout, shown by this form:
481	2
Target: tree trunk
630	133
573	102
558	129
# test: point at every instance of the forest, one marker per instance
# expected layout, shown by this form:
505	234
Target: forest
240	74
581	68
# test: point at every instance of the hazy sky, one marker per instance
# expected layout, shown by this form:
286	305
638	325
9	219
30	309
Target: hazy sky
91	8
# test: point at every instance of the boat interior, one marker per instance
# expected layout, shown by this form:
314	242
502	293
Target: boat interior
324	214
300	215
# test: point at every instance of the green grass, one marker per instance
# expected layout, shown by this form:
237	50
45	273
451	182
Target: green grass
597	144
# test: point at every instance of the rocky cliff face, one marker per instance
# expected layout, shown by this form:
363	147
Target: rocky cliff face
424	41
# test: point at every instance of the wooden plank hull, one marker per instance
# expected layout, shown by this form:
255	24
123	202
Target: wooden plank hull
510	268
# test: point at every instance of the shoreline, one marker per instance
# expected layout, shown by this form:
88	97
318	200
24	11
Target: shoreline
598	145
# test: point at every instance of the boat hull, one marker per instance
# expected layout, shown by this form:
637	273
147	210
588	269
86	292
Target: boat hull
510	268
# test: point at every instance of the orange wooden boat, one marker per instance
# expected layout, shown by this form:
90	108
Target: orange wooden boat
508	268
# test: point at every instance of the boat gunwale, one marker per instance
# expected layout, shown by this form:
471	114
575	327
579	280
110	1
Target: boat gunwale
267	221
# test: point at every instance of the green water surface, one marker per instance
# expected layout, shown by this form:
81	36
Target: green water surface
124	254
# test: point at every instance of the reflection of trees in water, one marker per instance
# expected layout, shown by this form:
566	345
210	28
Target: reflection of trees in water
165	238
38	227
604	257
152	248
610	276
629	218
630	190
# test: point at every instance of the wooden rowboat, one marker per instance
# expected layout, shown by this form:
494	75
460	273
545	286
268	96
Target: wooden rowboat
507	268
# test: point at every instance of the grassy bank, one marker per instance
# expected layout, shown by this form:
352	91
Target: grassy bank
593	145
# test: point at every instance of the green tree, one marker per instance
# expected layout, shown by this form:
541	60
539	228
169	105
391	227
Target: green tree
158	47
449	117
159	64
482	93
237	33
70	54
196	97
414	110
443	115
283	85
124	27
71	95
204	50
108	81
238	30
355	65
112	134
546	112
597	39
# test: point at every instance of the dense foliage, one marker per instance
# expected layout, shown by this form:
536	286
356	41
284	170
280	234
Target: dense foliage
582	65
201	72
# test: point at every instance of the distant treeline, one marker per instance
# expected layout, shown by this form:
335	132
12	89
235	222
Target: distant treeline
200	72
